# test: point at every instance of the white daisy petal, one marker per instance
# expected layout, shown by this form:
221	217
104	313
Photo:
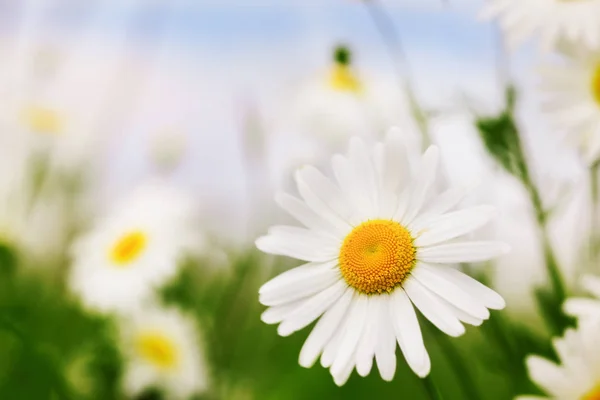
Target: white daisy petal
320	206
440	205
288	278
432	309
452	225
368	341
385	349
274	315
582	308
331	347
462	252
309	280
546	374
449	291
487	296
302	250
350	340
324	330
395	172
460	314
446	201
591	284
328	192
342	377
364	175
311	309
408	333
345	176
284	233
303	214
421	185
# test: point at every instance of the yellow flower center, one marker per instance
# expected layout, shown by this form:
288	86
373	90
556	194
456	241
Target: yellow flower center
157	349
42	120
593	395
596	84
377	256
343	79
128	248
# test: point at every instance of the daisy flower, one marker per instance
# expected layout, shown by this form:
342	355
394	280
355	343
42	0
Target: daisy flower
578	375
161	351
376	242
342	103
120	262
584	308
33	217
58	130
572	98
552	21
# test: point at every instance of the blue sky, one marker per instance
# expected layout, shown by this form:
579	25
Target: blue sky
205	59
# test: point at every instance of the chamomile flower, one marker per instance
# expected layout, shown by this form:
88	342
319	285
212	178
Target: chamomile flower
162	351
120	263
376	242
342	103
54	130
577	377
33	216
572	98
552	21
586	308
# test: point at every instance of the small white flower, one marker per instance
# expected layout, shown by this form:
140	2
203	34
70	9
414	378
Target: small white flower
121	262
553	21
584	308
161	351
33	217
376	242
342	103
572	98
60	130
578	375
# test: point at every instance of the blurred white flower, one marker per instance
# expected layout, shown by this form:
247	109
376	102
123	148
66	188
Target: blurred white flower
341	104
59	131
33	215
161	348
125	257
551	20
376	241
586	308
578	375
572	98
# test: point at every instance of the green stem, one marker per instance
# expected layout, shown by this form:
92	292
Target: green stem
552	312
552	266
461	371
433	392
393	42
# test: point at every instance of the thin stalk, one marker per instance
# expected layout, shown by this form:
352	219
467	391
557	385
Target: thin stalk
433	392
393	42
461	371
594	198
552	266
